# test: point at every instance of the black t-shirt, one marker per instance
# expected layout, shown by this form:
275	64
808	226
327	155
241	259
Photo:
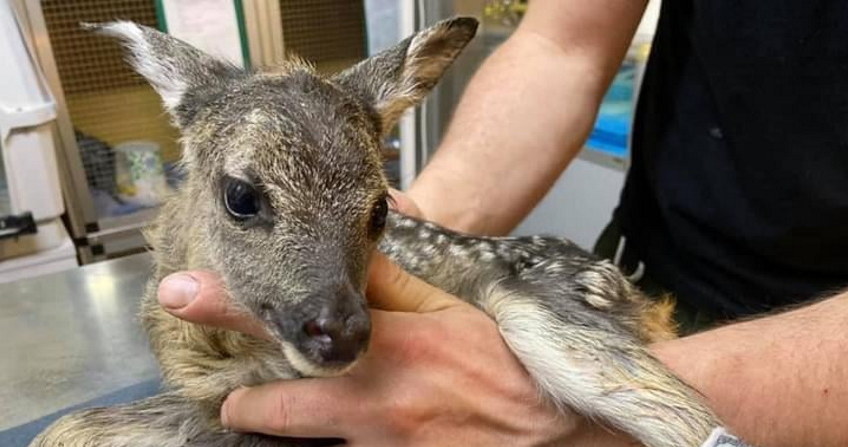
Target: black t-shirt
737	197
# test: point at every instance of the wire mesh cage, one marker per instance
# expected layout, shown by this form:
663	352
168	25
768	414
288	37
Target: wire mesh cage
328	33
107	102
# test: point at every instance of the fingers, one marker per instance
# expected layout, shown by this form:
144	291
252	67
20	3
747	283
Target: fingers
329	407
404	204
391	288
200	297
309	408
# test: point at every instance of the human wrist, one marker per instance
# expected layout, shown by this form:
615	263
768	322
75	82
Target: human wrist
438	201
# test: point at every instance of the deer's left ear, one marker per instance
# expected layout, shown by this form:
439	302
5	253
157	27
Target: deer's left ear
180	73
401	76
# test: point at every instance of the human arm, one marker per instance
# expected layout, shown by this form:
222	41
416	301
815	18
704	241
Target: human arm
526	114
778	381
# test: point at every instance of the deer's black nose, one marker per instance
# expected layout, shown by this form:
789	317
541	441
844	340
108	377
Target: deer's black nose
340	332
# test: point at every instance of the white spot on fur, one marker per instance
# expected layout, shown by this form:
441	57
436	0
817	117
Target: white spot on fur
238	162
487	256
457	251
598	301
307	367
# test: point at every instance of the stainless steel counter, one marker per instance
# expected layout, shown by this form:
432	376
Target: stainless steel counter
70	337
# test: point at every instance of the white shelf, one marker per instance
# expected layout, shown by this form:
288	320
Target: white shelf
57	259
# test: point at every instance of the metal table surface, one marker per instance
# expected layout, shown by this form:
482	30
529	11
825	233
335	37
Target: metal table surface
70	337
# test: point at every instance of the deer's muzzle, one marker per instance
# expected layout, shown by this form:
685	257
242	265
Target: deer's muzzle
331	329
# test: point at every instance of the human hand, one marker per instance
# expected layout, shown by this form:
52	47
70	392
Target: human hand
404	204
437	373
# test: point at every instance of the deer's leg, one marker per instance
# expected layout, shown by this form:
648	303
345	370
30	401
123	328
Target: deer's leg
597	369
573	321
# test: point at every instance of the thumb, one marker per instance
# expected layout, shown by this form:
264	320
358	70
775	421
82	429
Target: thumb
201	297
391	288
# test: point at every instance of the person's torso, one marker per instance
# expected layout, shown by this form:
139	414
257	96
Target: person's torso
737	197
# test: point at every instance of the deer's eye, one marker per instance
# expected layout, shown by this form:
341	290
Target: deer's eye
378	216
240	198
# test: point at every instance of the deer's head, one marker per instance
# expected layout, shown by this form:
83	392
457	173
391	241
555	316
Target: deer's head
285	178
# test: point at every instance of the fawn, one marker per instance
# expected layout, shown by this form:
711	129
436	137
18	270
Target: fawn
286	199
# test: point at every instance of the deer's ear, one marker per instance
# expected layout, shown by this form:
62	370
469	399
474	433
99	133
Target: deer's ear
174	68
400	77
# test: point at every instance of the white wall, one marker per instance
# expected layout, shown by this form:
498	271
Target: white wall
579	205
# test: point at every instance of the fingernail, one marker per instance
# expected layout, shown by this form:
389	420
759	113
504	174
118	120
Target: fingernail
176	291
394	198
225	407
225	413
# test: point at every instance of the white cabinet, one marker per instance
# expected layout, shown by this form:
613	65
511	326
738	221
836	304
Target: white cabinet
33	238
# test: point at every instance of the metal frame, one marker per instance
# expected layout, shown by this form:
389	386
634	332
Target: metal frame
409	122
81	216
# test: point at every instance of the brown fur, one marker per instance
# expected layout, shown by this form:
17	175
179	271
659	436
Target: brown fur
658	320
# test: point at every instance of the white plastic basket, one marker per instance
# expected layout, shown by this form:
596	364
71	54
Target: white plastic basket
26	110
29	176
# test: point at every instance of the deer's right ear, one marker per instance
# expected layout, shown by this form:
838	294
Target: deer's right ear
176	70
401	76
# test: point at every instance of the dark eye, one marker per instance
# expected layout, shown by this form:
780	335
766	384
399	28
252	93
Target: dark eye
378	216
240	198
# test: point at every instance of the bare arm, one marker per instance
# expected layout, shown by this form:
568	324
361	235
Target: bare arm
780	381
526	114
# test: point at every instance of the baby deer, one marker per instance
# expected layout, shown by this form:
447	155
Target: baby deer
286	199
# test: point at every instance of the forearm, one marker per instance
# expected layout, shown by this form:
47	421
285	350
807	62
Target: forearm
777	381
780	381
525	115
480	180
